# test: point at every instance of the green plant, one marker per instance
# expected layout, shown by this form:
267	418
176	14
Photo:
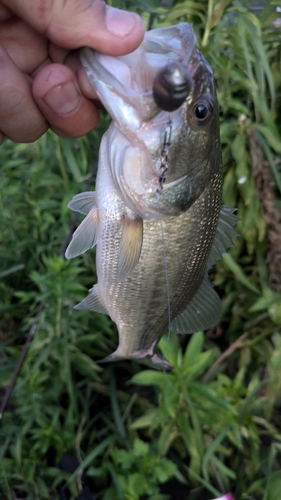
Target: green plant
210	420
213	424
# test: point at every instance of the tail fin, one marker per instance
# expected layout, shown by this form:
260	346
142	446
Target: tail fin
155	361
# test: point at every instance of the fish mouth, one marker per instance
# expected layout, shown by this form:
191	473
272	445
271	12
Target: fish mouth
131	77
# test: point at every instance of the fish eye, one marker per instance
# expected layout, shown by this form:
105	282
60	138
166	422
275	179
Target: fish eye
202	112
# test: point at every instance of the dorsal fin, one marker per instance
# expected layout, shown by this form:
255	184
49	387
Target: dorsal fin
202	312
85	236
83	202
93	302
224	234
130	246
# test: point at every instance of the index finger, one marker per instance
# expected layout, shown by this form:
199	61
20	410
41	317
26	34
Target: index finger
75	23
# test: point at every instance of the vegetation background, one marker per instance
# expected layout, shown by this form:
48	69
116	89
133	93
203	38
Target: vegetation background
75	430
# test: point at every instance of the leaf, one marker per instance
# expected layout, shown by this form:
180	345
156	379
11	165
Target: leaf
239	273
270	159
91	457
212	448
193	349
71	160
200	480
11	270
218	12
210	395
168	435
83	363
165	470
146	420
141	449
199	364
116	409
149	377
266	301
224	470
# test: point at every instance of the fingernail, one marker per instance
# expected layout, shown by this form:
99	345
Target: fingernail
63	99
119	22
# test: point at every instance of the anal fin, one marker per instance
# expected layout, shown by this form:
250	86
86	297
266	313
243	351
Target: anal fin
130	246
92	302
202	312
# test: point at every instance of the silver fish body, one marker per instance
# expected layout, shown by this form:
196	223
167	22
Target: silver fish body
156	239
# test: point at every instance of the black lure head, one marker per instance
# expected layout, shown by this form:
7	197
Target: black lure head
171	86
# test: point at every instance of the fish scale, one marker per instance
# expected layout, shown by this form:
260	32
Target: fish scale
147	224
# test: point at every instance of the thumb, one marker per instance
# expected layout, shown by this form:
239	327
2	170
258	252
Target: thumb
74	23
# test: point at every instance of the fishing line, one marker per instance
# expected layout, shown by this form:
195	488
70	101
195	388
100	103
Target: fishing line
158	195
169	381
164	166
165	270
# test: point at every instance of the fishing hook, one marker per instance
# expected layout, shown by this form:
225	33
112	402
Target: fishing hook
164	155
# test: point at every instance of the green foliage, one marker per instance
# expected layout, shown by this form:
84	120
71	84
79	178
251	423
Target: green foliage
210	422
212	425
138	472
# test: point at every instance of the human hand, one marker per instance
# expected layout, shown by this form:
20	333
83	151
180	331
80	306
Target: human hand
39	87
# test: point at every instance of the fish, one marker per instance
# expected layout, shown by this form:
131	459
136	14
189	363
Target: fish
156	216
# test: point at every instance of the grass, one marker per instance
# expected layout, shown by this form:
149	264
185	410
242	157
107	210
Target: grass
213	424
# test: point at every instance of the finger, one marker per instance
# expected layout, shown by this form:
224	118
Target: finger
20	118
73	62
84	84
73	24
5	13
57	94
2	138
62	56
27	48
57	54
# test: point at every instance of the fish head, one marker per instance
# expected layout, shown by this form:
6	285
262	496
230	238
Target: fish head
164	139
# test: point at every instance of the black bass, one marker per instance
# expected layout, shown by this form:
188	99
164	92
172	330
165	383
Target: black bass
156	214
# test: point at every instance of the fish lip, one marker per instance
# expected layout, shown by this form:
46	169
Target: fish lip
181	41
132	75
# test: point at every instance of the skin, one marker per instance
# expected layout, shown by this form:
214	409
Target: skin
42	84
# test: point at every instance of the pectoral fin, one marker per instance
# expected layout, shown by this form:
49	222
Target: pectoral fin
92	302
85	236
202	312
83	202
130	246
224	234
